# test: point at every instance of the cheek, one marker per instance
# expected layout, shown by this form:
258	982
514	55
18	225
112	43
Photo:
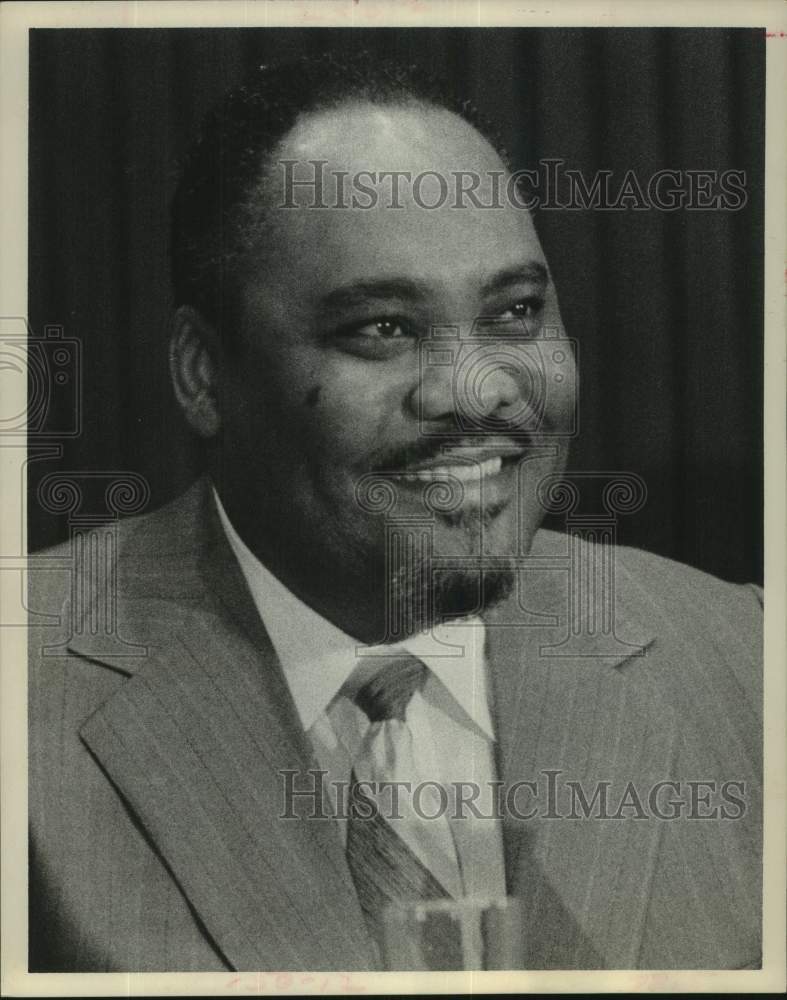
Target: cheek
319	408
313	395
353	410
340	426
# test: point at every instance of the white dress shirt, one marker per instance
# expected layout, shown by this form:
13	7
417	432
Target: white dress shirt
453	737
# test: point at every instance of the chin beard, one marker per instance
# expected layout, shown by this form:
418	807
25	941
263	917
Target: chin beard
420	594
416	602
458	594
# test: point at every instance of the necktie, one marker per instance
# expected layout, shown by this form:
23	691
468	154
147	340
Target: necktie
384	867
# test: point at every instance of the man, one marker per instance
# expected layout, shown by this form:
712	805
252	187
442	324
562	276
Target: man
357	590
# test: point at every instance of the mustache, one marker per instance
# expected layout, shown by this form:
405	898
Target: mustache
399	458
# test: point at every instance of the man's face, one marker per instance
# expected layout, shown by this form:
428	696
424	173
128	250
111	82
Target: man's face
333	380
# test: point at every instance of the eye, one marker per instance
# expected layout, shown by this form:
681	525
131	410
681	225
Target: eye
377	338
527	308
386	328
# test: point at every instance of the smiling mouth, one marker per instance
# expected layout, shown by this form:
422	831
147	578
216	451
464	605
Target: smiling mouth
465	466
465	472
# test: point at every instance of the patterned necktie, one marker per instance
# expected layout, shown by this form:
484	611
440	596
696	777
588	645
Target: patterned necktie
384	868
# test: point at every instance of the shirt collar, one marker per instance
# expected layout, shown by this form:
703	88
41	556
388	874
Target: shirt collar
317	657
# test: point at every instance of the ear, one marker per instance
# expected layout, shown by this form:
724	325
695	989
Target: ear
194	363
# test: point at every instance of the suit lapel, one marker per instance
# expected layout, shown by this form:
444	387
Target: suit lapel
587	718
199	742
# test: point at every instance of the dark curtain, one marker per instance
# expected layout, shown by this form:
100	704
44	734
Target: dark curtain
666	306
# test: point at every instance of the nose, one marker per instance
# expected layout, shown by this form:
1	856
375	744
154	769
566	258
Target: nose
466	381
491	393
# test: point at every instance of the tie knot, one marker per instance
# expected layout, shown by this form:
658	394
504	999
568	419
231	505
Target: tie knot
388	693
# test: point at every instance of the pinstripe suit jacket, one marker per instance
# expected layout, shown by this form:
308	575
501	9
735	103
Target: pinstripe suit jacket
155	751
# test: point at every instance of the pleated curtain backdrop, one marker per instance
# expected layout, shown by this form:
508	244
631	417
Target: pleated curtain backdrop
666	306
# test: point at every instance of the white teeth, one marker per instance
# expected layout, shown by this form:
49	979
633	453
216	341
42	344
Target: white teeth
465	473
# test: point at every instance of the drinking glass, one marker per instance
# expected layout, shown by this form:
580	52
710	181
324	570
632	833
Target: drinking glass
454	934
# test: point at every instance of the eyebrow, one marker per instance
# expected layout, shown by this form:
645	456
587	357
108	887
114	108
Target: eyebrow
359	292
532	271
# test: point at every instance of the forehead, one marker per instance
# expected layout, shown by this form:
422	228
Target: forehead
358	135
363	145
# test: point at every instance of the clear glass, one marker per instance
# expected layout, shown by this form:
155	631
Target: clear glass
454	934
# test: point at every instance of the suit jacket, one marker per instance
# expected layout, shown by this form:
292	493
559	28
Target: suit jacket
160	722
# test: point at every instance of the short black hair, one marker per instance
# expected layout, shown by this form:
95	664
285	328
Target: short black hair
226	164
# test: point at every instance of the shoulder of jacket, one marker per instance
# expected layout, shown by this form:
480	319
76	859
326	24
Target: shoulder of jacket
661	576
